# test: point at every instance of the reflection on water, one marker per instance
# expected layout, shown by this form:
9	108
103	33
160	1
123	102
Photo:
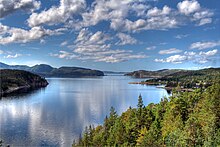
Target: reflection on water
57	114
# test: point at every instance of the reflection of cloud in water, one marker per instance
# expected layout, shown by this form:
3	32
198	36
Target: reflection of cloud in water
58	114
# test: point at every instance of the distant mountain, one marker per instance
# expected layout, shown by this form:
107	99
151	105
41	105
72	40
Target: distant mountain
42	68
152	74
3	65
114	72
49	71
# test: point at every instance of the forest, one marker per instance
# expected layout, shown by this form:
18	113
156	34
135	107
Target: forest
184	119
189	78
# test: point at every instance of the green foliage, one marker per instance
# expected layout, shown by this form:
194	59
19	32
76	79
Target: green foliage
185	119
189	78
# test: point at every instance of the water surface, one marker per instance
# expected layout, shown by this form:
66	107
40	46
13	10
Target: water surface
57	114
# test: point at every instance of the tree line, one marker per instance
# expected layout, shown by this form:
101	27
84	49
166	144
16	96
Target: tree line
184	119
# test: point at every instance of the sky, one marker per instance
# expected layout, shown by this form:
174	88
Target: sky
113	35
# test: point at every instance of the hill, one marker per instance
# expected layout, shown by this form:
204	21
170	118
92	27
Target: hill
152	74
188	119
49	71
17	80
189	78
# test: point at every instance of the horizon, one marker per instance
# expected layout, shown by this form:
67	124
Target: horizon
118	36
193	68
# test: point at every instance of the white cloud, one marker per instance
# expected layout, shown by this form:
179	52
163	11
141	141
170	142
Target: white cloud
203	17
150	48
118	13
64	43
1	52
190	53
193	10
112	9
95	47
13	56
201	57
204	21
170	51
180	36
3	29
56	15
204	45
10	6
42	41
173	59
157	12
187	7
156	20
125	39
203	14
140	9
64	54
17	35
209	53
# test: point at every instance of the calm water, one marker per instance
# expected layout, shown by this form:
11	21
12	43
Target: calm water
57	114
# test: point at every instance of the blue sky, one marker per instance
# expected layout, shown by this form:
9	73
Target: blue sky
113	35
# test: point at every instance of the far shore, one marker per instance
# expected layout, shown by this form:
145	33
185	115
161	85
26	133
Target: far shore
158	85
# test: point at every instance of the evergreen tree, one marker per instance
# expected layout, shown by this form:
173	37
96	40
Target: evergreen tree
185	119
140	107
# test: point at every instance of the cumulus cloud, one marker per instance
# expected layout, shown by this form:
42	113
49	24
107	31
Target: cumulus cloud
170	51
77	15
156	19
173	59
17	35
187	7
97	47
165	18
13	56
195	12
118	12
201	57
112	9
157	12
55	15
125	39
209	53
64	54
204	45
203	17
10	6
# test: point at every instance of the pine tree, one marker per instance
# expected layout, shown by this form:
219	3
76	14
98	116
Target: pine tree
140	107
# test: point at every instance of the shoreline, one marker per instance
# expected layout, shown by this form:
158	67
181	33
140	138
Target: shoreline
162	86
18	89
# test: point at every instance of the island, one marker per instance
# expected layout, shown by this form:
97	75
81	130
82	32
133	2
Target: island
12	81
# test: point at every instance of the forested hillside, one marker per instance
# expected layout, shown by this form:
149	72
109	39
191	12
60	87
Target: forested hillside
15	80
184	119
189	78
49	71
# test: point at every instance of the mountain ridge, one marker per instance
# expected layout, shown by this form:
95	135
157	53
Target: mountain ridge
49	71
